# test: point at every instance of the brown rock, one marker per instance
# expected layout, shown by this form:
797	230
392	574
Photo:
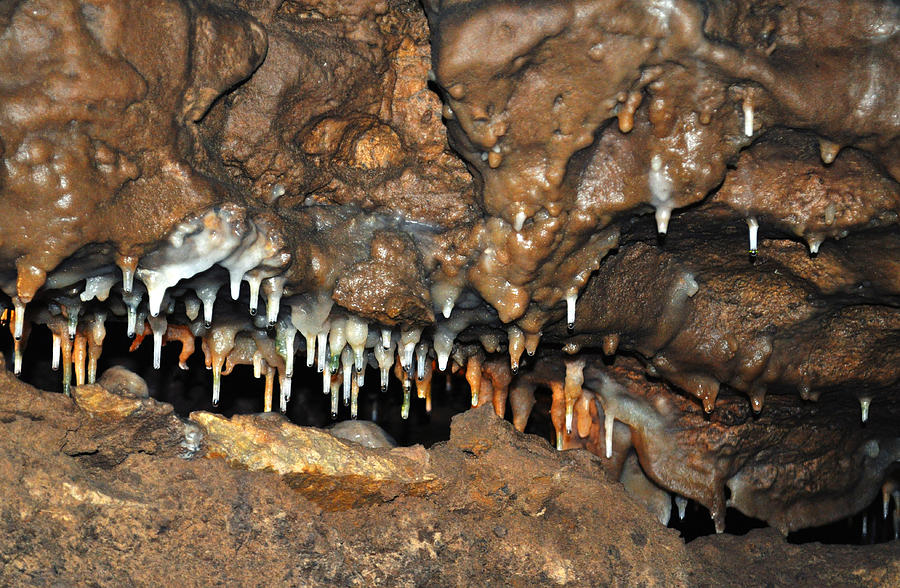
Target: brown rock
529	514
369	146
371	157
99	402
332	472
762	558
389	287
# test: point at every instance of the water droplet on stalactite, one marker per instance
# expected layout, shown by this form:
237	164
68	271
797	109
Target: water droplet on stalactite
572	390
66	346
404	408
681	504
608	422
557	412
326	379
257	364
97	333
285	334
747	107
274	287
757	398
347	371
310	349
132	300
473	376
885	499
285	393
421	358
255	283
206	291
127	279
830	213
217	378
423	385
570	310
753	227
385	358
79	354
531	343
864	403
55	347
354	399
663	215
18	318
128	265
336	338
17	356
219	342
660	193
443	345
158	326
408	340
334	399
814	244
321	349
516	344
71	311
357	331
718	521
444	293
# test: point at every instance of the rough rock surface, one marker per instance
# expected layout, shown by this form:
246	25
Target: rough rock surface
86	505
554	199
762	558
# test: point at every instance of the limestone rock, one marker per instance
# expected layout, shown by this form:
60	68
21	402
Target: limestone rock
334	473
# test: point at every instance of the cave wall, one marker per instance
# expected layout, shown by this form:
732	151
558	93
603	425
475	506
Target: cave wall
563	183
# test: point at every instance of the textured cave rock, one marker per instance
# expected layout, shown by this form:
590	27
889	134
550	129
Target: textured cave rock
102	501
547	199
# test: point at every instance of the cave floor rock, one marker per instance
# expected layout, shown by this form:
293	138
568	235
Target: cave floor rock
95	499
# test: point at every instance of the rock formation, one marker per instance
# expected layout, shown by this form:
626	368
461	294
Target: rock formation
673	221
